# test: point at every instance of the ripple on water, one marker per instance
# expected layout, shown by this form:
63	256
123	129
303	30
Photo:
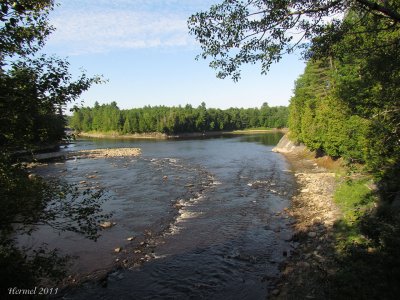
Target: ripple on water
216	217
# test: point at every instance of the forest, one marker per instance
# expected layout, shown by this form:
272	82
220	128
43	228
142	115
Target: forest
171	120
347	105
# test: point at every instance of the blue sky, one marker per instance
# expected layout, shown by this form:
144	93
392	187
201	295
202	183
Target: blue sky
143	48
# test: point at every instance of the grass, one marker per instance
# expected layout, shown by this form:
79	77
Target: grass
367	239
353	198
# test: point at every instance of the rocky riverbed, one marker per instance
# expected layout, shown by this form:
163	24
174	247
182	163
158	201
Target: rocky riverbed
104	153
312	262
94	153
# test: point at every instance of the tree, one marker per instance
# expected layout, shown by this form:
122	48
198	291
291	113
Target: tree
24	26
368	81
237	32
201	121
34	90
127	125
33	93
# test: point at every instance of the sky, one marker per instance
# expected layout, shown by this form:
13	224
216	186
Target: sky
144	50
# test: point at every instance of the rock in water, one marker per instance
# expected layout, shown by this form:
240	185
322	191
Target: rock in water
107	224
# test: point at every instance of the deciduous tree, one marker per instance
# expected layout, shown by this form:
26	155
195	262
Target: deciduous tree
237	32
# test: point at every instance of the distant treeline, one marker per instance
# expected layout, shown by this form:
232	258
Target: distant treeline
170	120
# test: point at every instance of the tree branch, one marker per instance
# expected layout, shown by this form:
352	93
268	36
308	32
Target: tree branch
395	16
316	10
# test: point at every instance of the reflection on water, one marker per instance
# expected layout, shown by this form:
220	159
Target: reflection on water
265	139
207	217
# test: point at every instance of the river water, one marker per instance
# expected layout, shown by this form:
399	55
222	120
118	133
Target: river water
207	217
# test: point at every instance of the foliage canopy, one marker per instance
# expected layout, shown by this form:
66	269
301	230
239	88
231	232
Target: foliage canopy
236	32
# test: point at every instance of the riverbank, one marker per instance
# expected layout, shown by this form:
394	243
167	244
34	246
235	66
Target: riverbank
186	135
348	233
315	213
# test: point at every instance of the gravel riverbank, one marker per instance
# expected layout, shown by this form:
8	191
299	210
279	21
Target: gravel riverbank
304	275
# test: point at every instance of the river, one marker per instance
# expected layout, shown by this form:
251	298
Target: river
207	217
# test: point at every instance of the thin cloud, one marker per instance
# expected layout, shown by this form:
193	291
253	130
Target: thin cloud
84	27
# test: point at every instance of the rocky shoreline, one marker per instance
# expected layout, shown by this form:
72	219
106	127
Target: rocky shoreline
94	154
305	273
